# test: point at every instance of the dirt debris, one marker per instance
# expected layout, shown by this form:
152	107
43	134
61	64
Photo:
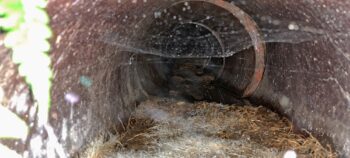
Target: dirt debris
172	128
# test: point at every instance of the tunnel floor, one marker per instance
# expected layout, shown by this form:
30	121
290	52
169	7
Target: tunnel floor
163	127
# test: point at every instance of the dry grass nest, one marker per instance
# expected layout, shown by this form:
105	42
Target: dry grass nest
170	128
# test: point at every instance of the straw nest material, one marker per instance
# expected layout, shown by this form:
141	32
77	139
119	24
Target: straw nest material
170	128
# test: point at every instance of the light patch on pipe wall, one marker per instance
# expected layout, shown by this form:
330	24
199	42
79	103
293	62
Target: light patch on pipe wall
285	102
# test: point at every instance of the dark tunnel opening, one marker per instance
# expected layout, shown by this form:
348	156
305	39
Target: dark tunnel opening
188	48
193	79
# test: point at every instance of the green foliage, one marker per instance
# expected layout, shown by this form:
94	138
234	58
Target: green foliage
27	34
11	13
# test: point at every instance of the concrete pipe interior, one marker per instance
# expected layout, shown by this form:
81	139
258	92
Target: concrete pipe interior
292	56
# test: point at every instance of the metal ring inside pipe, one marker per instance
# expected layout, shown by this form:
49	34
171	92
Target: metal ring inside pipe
257	40
217	37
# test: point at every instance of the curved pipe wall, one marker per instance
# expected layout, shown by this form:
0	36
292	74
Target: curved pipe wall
121	46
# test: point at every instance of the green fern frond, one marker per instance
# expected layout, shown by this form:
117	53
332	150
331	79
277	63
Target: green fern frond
27	33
